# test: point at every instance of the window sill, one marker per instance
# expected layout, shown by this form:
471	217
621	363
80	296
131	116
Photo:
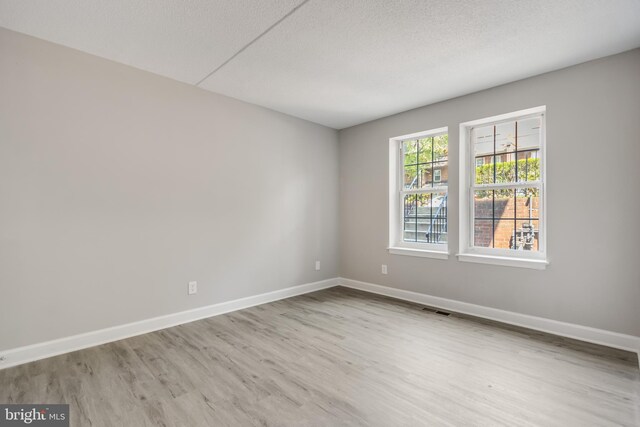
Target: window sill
536	264
424	253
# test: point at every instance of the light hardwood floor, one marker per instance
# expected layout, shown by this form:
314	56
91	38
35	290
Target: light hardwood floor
337	357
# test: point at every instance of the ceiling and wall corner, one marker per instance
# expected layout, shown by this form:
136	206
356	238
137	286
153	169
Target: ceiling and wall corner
337	63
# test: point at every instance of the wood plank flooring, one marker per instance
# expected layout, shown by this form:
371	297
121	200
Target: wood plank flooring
337	357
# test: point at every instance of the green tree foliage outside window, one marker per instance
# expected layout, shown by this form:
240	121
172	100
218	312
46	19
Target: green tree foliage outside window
528	170
426	150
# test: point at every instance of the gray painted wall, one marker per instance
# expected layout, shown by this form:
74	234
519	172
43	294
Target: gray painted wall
117	187
593	137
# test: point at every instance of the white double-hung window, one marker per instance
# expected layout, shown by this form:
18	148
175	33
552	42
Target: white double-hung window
503	185
418	193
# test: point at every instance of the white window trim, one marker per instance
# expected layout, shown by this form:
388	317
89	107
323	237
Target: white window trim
505	257
396	245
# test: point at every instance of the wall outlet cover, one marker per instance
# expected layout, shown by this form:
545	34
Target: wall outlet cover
193	288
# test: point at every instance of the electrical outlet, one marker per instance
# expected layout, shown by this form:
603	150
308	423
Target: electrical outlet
317	265
193	288
384	268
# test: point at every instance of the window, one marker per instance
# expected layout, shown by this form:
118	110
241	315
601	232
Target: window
502	207
418	194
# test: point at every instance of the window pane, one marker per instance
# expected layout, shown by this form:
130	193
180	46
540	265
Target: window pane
484	169
483	141
440	148
410	177
432	218
440	173
527	203
483	204
506	137
410	221
425	146
528	165
529	134
439	225
503	233
527	235
410	152
528	149
425	175
425	218
505	167
503	204
483	233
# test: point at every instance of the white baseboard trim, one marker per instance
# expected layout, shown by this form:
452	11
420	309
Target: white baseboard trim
20	355
583	333
30	353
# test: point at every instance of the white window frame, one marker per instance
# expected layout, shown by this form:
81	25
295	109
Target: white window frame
396	192
439	174
506	257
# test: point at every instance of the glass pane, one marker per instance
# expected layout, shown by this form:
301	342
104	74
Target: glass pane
528	165
504	202
503	233
410	177
528	149
483	233
527	235
438	225
425	175
505	167
483	141
425	145
484	170
410	221
491	210
432	218
440	173
440	148
528	203
506	137
410	152
529	134
483	204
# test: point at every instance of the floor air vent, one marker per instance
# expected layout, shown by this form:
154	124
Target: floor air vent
433	310
442	313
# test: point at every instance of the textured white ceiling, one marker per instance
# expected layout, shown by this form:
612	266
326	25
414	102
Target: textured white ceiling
181	39
337	62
